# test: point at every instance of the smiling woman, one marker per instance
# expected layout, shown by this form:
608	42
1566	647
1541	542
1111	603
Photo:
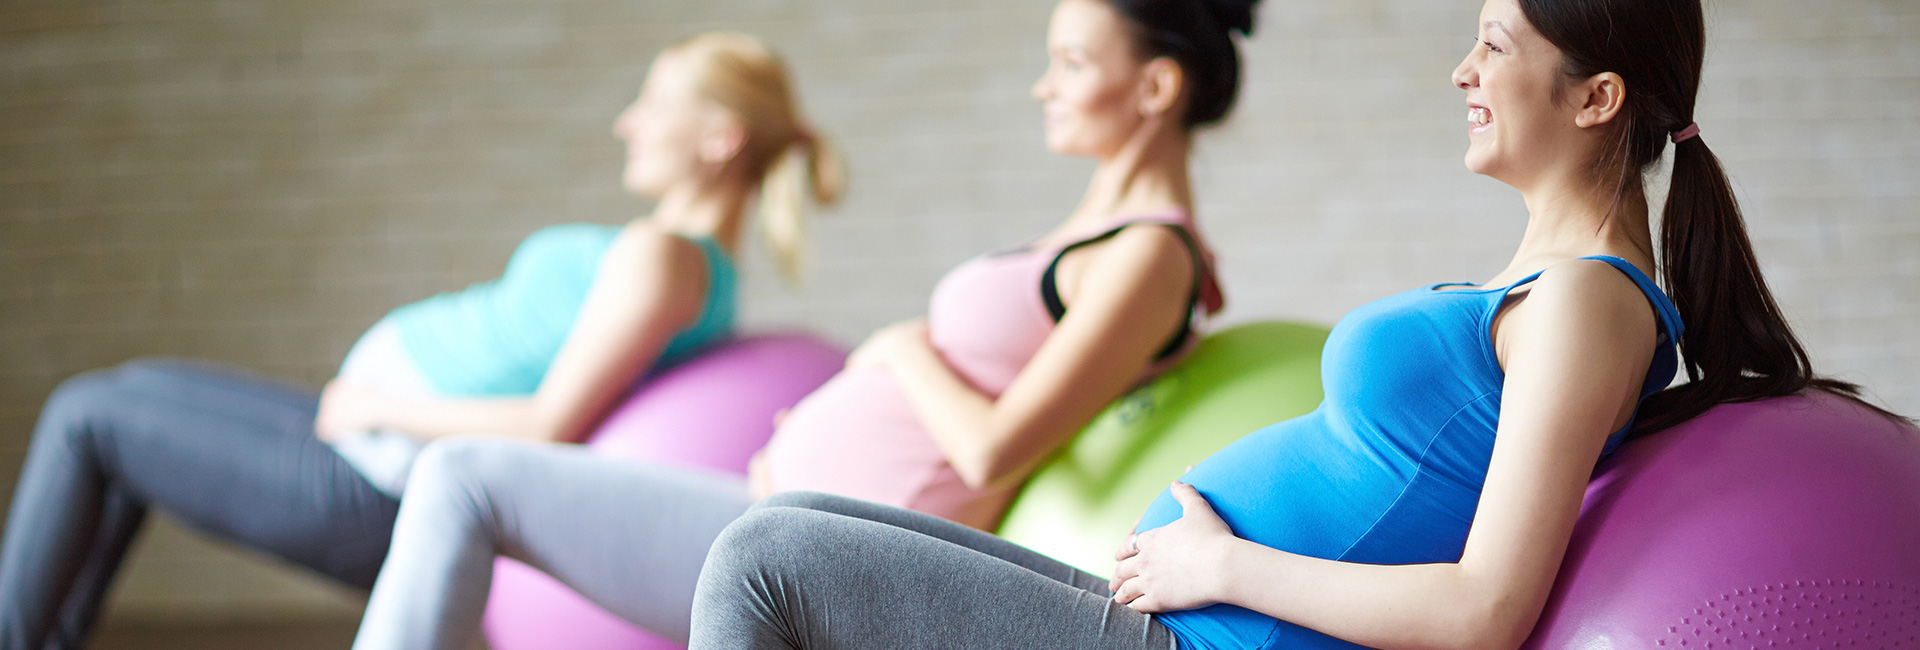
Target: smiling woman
944	415
1429	500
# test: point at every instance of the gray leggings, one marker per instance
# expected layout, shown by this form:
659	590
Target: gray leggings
820	572
626	535
229	454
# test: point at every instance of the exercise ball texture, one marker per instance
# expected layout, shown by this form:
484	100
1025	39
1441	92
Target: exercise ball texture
1788	523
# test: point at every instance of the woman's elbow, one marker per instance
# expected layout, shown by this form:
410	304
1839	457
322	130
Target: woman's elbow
1499	626
1499	637
986	469
976	472
999	456
551	425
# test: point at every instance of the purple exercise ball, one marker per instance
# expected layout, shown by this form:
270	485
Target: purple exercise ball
1786	523
712	411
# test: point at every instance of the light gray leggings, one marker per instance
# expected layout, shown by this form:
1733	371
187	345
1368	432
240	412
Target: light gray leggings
627	535
820	572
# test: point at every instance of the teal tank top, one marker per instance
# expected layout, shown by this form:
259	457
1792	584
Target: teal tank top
498	338
1388	469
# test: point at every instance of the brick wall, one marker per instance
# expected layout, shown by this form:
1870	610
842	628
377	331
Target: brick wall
256	182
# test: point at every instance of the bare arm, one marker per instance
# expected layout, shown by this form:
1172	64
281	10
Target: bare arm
1131	298
650	285
1575	352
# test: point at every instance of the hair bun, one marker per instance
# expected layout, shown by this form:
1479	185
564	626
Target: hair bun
1235	15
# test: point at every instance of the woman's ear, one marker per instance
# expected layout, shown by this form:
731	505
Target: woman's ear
1165	83
1601	98
723	142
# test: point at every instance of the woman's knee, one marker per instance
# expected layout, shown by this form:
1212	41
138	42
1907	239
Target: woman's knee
77	404
803	499
460	470
775	541
757	538
96	396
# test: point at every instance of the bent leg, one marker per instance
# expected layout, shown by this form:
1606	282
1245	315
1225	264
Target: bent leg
628	536
941	529
229	454
784	577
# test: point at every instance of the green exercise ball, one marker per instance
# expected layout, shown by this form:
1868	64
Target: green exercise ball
1079	505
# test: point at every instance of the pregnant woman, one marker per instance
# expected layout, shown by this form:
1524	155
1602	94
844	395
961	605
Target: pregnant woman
581	313
1429	500
1019	350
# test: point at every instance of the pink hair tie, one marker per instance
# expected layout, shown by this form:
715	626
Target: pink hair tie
1685	134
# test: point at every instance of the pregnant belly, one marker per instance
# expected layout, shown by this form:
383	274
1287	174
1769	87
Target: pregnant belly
1295	486
1306	487
857	436
379	360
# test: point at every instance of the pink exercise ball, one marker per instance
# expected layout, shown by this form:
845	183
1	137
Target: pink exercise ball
713	411
1787	523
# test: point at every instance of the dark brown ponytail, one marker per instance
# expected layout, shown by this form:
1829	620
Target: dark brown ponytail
1737	345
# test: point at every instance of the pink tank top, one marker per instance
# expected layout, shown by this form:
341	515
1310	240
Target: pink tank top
858	436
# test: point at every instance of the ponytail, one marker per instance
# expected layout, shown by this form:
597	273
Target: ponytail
811	168
1737	346
792	162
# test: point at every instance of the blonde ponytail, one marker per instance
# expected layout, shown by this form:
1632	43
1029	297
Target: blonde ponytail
811	168
793	163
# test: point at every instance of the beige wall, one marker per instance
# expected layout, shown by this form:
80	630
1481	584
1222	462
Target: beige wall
255	182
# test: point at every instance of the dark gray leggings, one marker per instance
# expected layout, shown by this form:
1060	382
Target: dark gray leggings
815	571
229	454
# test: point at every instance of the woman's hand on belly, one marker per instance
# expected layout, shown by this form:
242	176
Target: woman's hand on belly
1177	566
1127	547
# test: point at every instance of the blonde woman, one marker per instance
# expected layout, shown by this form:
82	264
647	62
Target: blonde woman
580	314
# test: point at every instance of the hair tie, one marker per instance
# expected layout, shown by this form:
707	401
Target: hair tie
803	135
1685	134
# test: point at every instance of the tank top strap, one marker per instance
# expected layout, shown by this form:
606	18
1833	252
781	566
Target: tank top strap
1663	307
716	255
716	319
1205	292
1666	358
1179	221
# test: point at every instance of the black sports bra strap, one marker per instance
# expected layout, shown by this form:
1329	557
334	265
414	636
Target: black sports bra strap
1050	291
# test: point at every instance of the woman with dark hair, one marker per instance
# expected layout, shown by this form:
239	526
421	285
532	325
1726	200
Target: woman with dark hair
1429	500
945	415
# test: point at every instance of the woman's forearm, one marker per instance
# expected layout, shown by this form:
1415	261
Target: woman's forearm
1391	607
957	416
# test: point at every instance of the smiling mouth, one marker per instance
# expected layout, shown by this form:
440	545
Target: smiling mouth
1478	116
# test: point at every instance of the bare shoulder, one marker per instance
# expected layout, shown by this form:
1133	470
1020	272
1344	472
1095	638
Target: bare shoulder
1591	294
646	246
1151	248
647	260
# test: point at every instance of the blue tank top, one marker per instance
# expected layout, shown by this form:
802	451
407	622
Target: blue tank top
498	338
1388	469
